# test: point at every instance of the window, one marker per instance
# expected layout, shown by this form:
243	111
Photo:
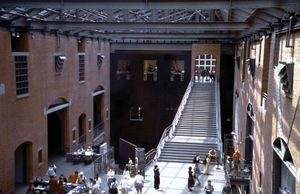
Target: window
90	125
21	75
123	69
205	67
40	156
177	70
74	135
150	70
81	68
136	113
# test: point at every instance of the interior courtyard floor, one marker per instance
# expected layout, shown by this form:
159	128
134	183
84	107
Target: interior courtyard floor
173	177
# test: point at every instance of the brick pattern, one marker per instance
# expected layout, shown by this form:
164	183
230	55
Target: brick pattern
265	129
23	119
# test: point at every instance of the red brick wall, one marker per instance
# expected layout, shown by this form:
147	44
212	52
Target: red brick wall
265	128
23	119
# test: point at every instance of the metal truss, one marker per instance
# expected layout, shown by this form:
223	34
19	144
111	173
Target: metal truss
116	20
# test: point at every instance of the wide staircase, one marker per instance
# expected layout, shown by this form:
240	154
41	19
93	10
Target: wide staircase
196	130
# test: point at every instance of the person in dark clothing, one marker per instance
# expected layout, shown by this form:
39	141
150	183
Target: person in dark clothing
113	189
226	189
156	177
196	159
191	180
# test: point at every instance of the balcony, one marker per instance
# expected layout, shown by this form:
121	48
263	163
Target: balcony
238	174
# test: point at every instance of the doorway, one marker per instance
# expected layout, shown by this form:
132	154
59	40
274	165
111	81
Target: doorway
57	139
23	163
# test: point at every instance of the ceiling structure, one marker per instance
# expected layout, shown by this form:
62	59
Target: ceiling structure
151	21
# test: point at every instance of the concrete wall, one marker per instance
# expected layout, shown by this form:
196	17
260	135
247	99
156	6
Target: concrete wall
24	120
265	122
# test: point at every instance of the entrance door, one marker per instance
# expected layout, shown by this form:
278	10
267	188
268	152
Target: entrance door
56	130
22	163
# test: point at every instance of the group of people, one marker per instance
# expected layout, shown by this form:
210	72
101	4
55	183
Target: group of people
125	184
205	76
201	168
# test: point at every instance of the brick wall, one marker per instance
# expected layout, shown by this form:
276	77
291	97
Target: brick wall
23	119
265	123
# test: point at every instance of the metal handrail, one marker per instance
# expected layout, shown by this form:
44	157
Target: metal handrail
104	162
98	129
218	120
162	141
169	131
149	156
181	107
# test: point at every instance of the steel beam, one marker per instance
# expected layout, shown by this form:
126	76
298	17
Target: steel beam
137	4
205	26
151	47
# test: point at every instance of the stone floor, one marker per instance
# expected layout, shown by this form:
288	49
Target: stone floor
173	177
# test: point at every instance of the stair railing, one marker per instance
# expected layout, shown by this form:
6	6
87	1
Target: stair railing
181	107
161	144
169	131
218	121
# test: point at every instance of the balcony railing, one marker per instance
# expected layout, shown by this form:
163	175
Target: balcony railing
238	173
98	130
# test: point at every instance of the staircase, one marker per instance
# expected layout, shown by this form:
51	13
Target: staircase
196	130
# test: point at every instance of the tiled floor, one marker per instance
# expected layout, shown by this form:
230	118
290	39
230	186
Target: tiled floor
173	177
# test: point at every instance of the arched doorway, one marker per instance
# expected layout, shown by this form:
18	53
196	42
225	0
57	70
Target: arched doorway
82	129
98	101
23	163
284	171
57	127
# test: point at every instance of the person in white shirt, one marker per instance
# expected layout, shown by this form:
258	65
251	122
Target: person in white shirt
110	176
139	182
51	170
95	188
81	178
125	185
98	181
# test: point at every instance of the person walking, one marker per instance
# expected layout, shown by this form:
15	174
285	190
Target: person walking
191	181
139	182
197	172
110	176
125	185
156	177
209	189
113	189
